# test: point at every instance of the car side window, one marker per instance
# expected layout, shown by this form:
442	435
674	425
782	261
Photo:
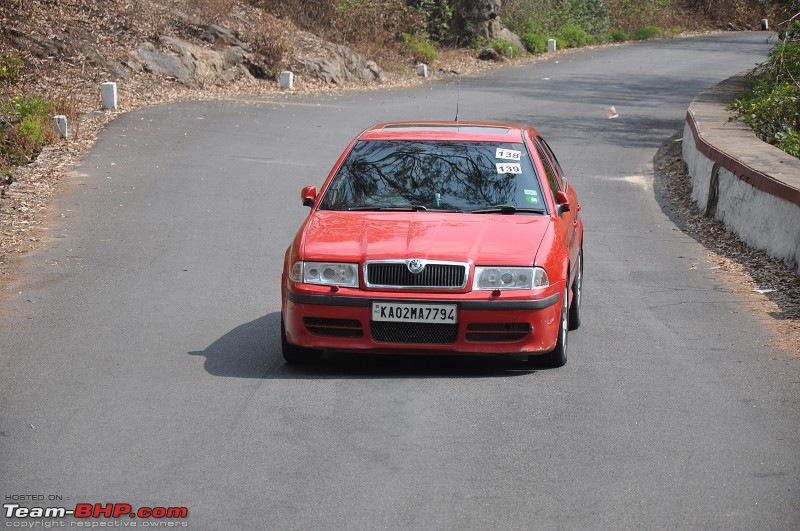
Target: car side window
556	166
552	178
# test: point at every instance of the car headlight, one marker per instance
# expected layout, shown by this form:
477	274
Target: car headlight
325	273
509	278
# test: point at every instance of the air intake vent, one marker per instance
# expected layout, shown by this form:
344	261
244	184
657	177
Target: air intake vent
434	275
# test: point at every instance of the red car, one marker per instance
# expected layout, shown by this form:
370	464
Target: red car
437	237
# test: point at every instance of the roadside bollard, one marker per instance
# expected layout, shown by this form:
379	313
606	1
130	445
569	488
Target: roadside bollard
287	80
109	95
60	125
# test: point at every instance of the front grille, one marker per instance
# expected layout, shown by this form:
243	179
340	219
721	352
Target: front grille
325	326
416	333
497	332
435	275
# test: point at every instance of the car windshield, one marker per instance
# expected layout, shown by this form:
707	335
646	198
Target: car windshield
414	175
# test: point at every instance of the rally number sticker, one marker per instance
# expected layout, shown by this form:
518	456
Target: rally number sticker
508	154
509	167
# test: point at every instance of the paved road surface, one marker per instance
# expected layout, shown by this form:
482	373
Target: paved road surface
141	358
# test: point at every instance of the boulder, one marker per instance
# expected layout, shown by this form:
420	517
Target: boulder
339	64
195	65
481	18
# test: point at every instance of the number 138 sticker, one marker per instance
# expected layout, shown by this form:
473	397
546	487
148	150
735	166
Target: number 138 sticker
509	167
507	154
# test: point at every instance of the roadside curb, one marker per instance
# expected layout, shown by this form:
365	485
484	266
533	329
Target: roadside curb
749	185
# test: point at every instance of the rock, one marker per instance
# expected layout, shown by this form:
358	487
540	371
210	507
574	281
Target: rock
508	35
481	18
339	64
195	65
161	63
489	54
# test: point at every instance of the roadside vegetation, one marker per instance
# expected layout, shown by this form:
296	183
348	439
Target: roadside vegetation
772	105
400	33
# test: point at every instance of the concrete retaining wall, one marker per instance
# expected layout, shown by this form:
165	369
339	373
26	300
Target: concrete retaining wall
751	186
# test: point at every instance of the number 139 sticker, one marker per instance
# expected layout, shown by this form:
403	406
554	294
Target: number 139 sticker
509	167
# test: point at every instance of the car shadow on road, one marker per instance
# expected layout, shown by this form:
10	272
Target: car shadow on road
253	350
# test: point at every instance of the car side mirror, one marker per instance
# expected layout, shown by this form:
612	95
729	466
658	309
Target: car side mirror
562	202
308	195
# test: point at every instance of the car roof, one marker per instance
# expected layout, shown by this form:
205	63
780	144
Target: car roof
437	130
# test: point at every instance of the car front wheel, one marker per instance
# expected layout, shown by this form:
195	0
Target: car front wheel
558	356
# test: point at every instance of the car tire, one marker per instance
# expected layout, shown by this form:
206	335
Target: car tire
558	356
577	289
296	355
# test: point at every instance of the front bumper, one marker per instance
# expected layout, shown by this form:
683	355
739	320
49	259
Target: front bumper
511	324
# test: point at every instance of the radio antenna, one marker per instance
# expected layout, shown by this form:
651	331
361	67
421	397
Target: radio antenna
458	99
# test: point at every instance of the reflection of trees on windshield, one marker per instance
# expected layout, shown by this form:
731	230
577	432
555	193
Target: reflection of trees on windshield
428	173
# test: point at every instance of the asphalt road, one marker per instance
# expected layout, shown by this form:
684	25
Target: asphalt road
141	358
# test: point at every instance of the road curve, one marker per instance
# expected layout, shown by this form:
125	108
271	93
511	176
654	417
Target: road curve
141	353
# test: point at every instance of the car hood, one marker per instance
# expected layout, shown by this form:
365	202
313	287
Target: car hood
485	239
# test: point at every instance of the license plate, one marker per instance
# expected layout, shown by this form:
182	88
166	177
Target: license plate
401	312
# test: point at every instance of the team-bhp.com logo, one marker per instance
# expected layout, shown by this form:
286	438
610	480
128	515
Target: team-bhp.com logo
89	513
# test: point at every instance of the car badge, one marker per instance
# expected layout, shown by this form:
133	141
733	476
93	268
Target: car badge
415	266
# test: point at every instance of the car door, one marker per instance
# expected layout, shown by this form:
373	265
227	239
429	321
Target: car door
568	223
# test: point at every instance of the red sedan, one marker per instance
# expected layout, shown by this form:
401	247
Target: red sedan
437	237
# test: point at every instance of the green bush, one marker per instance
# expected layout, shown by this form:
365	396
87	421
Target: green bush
772	106
420	48
505	48
10	69
534	42
548	16
34	132
437	17
789	141
572	36
617	35
27	126
647	32
31	105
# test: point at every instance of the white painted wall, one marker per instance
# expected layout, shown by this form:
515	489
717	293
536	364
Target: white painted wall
761	220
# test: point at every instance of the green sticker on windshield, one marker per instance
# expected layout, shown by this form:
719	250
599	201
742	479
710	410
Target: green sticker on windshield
532	199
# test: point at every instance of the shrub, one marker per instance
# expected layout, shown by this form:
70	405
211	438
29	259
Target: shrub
547	16
534	42
505	48
27	128
647	32
420	48
437	18
10	69
617	35
789	141
772	106
268	43
572	36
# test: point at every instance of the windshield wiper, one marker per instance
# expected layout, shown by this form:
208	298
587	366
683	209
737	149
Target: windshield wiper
376	208
507	209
